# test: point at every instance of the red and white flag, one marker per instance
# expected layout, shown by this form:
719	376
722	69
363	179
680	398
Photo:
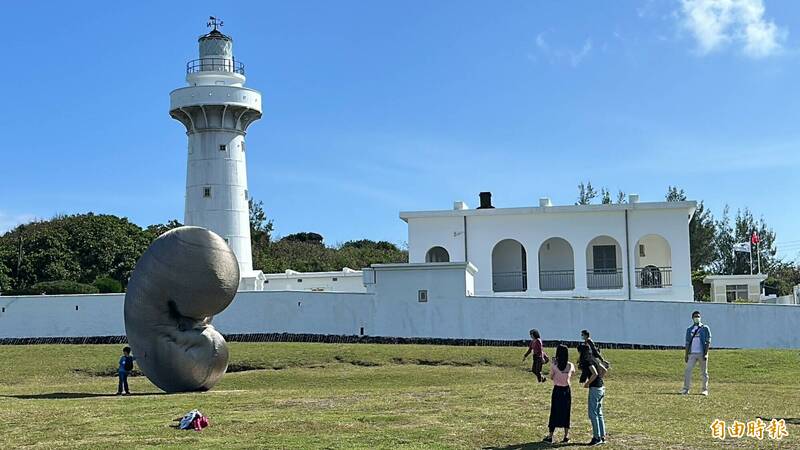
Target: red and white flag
754	238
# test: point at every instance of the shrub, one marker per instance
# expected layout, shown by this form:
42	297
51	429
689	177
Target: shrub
61	287
107	285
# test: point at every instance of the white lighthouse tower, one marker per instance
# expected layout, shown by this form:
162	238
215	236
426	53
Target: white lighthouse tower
216	110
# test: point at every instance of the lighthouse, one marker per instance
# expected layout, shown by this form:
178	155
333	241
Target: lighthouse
216	110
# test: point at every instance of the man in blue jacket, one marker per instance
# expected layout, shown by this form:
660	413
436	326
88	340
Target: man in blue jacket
698	341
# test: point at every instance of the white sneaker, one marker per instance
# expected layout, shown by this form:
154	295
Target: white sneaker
704	393
684	392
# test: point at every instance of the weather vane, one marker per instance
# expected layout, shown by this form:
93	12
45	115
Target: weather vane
214	22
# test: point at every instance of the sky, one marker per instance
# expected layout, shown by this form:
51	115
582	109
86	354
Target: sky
371	108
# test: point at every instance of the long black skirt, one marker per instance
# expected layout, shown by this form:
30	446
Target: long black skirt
560	406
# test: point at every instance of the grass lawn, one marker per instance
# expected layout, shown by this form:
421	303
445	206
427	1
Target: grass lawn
297	395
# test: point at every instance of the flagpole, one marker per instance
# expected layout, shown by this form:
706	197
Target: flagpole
758	254
751	259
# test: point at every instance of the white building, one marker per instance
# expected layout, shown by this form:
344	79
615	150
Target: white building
216	110
345	280
616	251
732	288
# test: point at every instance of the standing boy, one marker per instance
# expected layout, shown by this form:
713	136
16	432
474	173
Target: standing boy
125	368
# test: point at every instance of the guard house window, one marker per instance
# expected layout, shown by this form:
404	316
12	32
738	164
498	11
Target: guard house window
207	192
223	148
605	257
641	251
422	295
735	292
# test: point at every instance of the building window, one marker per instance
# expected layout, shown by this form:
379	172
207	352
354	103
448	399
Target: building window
245	193
242	146
266	281
207	192
605	257
422	295
223	148
299	280
641	251
735	292
334	279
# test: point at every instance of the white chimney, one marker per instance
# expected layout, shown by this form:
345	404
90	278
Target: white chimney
459	205
545	202
633	198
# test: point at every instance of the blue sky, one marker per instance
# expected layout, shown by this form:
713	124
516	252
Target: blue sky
376	107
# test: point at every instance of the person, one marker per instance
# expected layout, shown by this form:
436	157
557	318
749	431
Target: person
125	368
561	371
587	338
592	374
539	356
698	341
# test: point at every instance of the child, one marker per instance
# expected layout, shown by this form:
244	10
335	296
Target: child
125	368
539	356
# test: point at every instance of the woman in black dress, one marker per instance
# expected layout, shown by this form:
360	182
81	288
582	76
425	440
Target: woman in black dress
561	372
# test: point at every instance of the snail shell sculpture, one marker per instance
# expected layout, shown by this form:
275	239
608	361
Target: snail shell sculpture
185	277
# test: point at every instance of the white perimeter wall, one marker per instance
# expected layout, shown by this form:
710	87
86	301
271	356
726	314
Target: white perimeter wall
393	310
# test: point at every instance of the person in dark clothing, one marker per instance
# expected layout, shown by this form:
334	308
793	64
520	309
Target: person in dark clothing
561	371
592	378
587	338
125	368
539	356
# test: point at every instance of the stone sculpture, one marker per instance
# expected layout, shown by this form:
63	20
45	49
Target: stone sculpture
185	277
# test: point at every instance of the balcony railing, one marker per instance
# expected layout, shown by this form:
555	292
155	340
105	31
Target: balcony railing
214	65
556	280
510	281
604	278
653	277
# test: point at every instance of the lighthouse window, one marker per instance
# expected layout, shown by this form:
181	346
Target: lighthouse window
207	192
223	148
243	146
245	193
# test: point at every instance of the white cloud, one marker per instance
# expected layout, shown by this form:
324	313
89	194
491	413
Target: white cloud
717	23
563	55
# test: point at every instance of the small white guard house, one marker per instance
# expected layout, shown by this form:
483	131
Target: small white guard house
618	251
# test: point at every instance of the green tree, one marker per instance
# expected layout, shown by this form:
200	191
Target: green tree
260	231
620	197
156	230
307	237
702	232
740	230
77	248
605	196
675	195
586	193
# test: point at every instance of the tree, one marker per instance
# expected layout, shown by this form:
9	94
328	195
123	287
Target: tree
675	195
77	248
620	197
156	230
307	237
605	196
740	231
260	229
586	193
702	232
